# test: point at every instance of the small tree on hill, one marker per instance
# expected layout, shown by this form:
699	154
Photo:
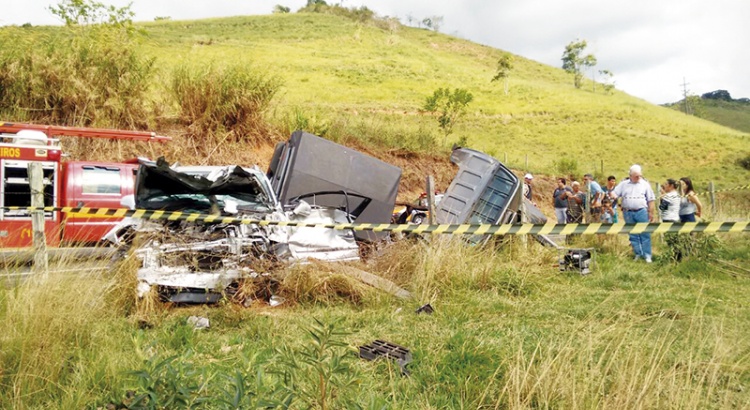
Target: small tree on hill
574	61
448	106
433	22
607	82
279	9
84	12
504	66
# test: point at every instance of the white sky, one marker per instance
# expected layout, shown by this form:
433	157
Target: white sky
649	45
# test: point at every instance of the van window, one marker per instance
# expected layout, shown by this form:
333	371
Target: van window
493	200
100	180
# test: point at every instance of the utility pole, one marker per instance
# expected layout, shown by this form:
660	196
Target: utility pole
685	92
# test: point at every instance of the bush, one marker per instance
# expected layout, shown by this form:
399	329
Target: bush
697	245
448	106
567	167
298	119
360	14
744	162
232	99
80	75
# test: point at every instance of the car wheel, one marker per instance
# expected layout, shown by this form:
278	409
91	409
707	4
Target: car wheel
417	219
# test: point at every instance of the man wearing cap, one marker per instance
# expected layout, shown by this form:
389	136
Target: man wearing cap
527	186
595	195
637	206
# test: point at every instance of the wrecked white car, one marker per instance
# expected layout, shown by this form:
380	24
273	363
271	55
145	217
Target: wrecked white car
195	262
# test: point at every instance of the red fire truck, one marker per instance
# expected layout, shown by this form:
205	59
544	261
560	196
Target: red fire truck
66	183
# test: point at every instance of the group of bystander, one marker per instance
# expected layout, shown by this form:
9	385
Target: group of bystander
633	197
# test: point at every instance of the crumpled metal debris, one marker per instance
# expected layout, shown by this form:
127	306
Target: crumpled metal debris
382	349
426	308
276	300
192	262
198	322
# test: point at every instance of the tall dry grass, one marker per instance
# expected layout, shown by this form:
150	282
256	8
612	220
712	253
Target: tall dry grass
228	102
437	264
625	366
79	76
61	333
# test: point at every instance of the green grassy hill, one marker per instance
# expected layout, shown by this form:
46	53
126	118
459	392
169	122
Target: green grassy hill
369	82
364	83
733	114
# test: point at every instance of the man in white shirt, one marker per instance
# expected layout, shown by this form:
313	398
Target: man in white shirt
527	186
637	206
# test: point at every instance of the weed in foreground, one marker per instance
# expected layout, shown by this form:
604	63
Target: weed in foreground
316	374
319	371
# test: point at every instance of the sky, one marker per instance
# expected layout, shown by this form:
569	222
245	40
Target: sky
652	47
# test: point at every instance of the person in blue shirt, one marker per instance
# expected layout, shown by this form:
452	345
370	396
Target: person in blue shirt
608	214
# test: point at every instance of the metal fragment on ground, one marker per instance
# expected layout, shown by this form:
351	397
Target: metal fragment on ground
382	349
198	322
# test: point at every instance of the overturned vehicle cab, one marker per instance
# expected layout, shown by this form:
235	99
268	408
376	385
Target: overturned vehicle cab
192	260
485	191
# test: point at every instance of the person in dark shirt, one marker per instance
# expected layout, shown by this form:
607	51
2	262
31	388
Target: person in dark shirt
560	201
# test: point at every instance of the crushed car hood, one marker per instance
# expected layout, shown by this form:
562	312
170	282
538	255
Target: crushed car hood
195	262
159	187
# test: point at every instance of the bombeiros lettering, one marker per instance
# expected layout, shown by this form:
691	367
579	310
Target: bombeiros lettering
10	152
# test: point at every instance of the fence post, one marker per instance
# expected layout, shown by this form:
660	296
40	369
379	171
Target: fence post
431	199
39	240
658	200
505	158
587	204
527	162
712	195
602	167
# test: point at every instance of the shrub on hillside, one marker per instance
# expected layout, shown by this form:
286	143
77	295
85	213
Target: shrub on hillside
360	14
231	99
447	107
567	167
77	75
745	162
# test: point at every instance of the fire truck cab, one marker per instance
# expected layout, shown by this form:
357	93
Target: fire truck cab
66	184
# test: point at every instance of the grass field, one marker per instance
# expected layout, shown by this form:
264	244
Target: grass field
733	114
509	331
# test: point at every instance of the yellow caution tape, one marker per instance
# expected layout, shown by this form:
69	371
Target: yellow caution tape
479	229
